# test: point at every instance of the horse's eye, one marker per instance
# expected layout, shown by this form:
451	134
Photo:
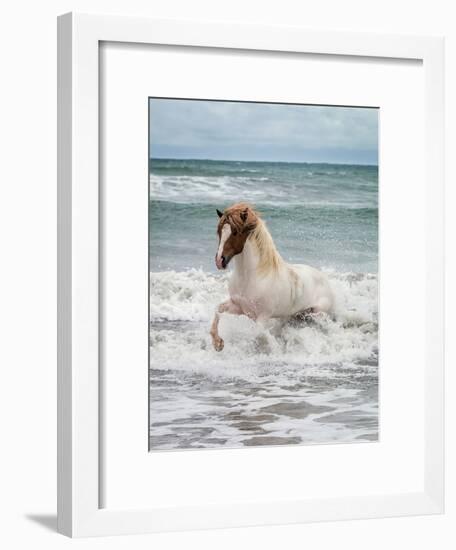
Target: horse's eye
234	232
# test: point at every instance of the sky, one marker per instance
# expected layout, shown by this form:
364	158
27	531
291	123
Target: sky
223	130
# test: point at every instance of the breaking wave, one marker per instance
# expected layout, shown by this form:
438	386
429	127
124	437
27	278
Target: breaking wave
182	305
257	189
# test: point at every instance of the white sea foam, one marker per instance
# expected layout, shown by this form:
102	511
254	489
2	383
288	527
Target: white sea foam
252	188
185	295
182	305
185	189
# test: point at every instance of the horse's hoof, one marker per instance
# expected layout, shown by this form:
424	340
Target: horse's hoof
218	344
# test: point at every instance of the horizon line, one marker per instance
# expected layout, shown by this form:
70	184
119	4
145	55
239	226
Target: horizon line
271	161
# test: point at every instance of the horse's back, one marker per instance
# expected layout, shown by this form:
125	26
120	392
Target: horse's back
314	290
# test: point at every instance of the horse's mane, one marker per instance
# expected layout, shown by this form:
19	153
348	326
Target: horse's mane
270	259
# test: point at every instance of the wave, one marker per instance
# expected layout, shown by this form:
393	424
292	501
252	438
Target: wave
184	189
190	189
185	296
182	305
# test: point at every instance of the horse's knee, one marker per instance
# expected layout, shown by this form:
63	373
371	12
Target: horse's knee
226	307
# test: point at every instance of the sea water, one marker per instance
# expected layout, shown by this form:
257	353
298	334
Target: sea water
285	382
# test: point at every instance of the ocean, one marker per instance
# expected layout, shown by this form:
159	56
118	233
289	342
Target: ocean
283	383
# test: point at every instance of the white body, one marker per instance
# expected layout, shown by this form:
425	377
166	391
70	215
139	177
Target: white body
283	292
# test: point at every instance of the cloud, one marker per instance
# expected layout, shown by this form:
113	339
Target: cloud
256	131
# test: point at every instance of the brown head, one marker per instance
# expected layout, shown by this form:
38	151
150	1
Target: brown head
236	223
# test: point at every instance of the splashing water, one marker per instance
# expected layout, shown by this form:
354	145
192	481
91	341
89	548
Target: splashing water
278	383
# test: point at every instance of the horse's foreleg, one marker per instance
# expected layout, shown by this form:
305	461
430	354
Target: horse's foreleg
216	340
225	307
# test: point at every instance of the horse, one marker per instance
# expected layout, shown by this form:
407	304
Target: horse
263	285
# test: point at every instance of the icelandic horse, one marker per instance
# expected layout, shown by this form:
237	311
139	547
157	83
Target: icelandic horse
262	284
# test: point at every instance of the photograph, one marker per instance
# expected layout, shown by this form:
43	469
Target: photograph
263	274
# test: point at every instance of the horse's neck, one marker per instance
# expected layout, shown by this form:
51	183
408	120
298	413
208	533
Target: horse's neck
246	263
259	255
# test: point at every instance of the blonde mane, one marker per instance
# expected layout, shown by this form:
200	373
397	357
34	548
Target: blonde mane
269	258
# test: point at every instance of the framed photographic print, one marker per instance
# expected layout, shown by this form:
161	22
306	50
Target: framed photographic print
250	275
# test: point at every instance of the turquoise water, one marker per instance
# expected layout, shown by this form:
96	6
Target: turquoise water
278	383
321	214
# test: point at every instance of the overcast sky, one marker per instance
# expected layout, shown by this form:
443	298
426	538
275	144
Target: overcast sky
265	132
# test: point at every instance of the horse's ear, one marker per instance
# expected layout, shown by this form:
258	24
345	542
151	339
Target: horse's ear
244	214
220	214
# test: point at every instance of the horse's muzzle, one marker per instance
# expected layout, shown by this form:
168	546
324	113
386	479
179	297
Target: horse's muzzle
221	262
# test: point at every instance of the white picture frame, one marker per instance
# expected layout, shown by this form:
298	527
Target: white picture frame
80	508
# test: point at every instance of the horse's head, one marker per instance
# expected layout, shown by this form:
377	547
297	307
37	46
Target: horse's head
235	225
